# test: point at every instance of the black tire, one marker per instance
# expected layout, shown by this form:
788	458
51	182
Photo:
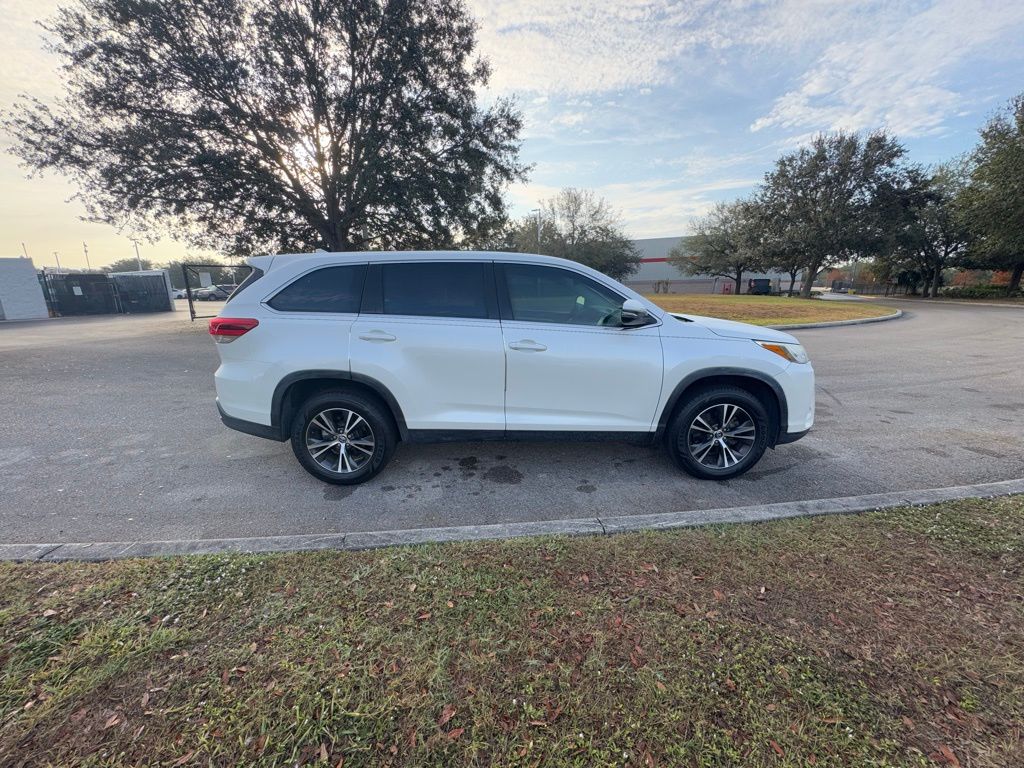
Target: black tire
725	453
309	434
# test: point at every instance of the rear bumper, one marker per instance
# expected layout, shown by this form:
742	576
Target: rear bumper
790	437
251	427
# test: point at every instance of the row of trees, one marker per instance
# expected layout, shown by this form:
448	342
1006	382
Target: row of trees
847	197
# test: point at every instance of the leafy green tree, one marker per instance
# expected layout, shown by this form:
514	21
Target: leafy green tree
776	247
993	199
576	224
128	265
725	243
833	197
932	235
255	125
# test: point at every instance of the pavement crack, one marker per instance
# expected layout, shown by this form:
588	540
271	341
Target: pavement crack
603	529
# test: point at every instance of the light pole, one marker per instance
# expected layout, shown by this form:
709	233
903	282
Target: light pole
138	258
58	261
85	249
24	249
537	211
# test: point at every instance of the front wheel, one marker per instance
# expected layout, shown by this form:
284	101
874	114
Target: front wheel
343	438
720	433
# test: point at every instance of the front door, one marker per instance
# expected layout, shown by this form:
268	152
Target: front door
570	366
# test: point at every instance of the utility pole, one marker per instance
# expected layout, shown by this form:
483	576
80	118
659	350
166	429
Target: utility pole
58	261
537	211
85	248
137	257
24	249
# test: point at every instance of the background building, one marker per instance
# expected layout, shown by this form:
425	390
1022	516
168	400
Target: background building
21	296
658	275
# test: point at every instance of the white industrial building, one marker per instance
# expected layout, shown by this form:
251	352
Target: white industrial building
21	296
658	275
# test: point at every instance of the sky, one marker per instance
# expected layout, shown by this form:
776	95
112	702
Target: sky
662	107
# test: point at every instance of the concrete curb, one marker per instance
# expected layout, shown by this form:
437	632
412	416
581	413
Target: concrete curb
114	550
836	323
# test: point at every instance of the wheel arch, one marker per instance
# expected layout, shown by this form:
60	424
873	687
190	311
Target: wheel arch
297	387
759	384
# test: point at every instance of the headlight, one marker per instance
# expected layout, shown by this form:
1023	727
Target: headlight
794	353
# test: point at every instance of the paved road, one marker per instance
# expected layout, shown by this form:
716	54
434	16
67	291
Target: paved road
108	432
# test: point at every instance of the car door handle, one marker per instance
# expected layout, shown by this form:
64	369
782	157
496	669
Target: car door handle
378	336
526	345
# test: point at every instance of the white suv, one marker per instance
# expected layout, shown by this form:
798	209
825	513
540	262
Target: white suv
348	353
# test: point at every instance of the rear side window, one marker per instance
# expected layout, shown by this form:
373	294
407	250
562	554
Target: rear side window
252	277
330	289
435	289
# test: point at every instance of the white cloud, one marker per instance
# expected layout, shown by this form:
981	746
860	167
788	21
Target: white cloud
566	47
897	72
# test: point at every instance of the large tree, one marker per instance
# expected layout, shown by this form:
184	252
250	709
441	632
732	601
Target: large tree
834	197
253	125
993	200
931	235
724	244
576	224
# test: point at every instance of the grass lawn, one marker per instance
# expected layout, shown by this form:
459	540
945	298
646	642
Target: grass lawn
768	310
892	638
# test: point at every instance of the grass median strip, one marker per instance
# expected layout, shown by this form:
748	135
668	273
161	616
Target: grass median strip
769	310
891	638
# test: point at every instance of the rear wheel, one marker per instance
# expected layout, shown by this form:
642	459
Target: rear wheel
343	438
719	433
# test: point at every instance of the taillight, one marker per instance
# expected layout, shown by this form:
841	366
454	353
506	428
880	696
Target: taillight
225	329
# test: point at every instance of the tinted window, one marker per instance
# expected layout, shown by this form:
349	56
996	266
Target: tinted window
552	295
331	289
438	289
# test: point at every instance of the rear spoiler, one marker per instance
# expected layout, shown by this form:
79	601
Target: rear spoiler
261	262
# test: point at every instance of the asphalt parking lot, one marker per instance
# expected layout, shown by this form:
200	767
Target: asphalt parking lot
108	431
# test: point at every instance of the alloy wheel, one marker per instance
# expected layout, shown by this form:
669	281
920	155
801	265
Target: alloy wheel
340	440
721	436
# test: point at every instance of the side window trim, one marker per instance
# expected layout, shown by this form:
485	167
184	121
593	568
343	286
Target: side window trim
505	301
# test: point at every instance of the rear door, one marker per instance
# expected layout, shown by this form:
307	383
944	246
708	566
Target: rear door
429	332
570	366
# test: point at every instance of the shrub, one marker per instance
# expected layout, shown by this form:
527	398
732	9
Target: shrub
981	292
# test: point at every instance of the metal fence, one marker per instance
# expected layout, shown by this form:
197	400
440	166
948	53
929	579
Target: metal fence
99	293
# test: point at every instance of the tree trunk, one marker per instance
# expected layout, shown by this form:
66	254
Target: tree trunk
810	273
1018	272
739	281
792	281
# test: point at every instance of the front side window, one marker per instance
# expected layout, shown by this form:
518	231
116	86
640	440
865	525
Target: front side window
553	295
329	289
435	289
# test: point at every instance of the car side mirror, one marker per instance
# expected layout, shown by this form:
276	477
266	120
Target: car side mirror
634	314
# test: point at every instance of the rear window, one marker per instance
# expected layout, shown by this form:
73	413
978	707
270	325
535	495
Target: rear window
435	289
329	289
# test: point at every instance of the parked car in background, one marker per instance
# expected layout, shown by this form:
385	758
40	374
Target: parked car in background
214	292
346	354
179	293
